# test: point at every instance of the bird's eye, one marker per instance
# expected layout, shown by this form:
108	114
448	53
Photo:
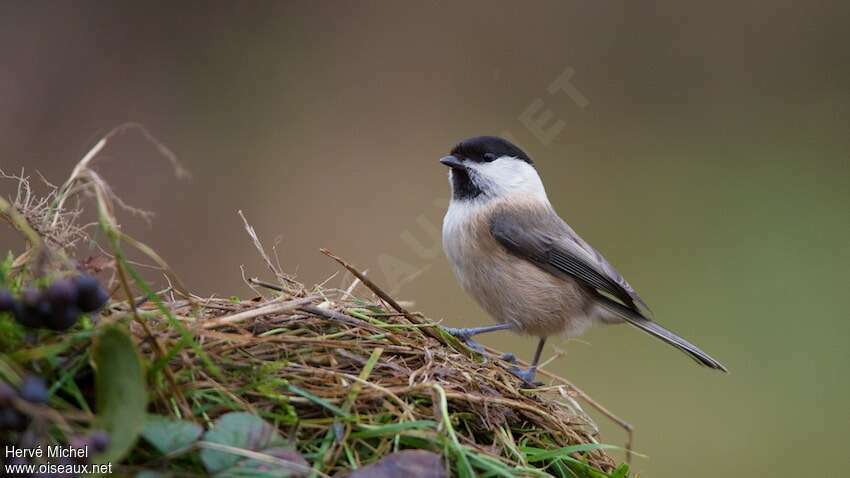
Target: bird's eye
489	157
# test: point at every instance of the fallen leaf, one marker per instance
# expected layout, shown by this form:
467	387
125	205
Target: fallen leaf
239	431
405	463
168	435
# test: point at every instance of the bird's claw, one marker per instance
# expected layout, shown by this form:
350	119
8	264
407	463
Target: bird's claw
476	346
459	333
464	336
526	375
508	357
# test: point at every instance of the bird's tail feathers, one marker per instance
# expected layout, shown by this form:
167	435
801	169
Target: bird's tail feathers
656	330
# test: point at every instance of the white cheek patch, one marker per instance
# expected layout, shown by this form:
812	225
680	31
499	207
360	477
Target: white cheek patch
507	176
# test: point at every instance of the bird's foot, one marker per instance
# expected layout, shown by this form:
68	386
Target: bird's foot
509	357
526	375
465	336
459	332
476	346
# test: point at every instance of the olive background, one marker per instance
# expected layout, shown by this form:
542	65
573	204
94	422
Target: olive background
704	150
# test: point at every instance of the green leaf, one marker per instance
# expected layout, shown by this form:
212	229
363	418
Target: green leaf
492	466
120	391
167	435
535	455
233	445
368	431
621	472
317	400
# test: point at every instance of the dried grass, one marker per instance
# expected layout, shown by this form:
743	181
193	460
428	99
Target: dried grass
307	355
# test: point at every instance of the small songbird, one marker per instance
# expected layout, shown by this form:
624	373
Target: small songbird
523	264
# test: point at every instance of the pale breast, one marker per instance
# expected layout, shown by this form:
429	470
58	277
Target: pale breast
508	287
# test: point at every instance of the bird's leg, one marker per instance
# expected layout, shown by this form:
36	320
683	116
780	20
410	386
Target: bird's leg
527	376
466	333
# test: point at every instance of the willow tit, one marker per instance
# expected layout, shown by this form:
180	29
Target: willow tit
523	264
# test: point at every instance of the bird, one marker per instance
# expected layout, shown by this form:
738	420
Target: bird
525	266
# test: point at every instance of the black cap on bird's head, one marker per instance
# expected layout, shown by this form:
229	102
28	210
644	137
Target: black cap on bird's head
488	166
484	149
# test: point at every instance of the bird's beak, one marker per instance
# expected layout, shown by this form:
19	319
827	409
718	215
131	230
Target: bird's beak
452	162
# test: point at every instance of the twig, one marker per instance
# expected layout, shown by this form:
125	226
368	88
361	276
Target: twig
431	331
281	277
248	281
268	309
267	285
353	286
334	315
368	283
83	167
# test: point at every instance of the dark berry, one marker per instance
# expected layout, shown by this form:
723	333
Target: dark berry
7	301
80	442
7	394
61	293
91	295
34	390
30	296
63	318
99	441
34	308
30	318
33	298
11	419
24	318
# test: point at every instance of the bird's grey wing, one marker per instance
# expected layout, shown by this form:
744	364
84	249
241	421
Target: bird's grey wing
543	238
540	236
606	268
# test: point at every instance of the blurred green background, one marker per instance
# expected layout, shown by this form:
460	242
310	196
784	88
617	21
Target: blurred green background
705	151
